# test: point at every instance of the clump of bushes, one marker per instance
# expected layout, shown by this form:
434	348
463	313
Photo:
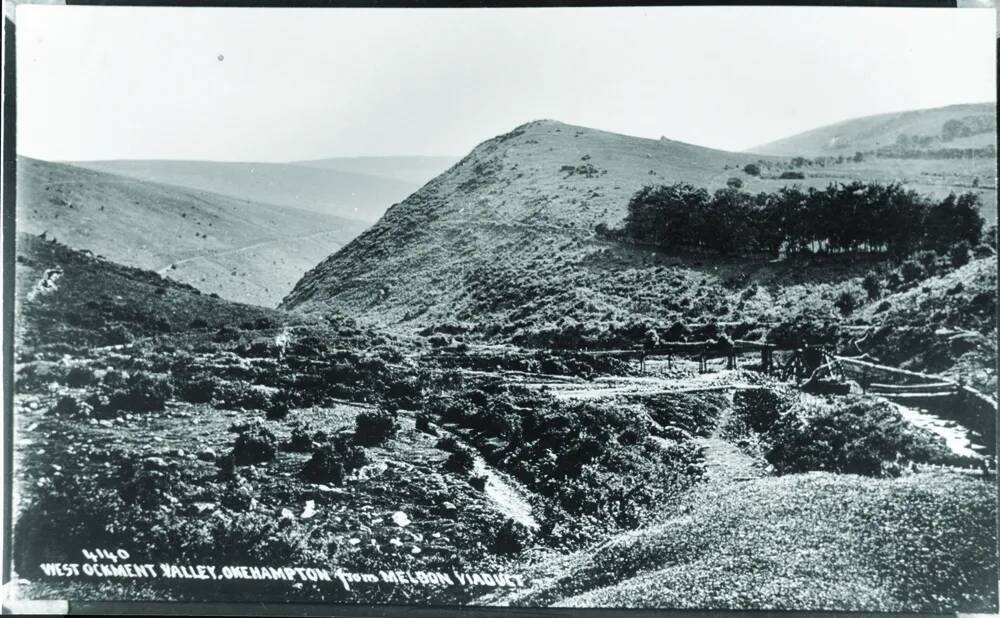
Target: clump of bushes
141	392
277	410
117	335
240	395
70	406
79	376
760	408
511	538
423	424
198	388
301	440
254	445
846	302
373	427
855	435
958	254
792	176
331	462
460	461
872	286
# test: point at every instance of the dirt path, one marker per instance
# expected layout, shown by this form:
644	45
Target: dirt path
724	461
214	254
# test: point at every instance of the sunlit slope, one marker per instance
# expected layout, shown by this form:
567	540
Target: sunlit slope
242	250
874	132
327	191
505	238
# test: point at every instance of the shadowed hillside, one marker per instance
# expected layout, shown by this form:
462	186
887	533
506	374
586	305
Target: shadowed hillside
241	250
955	126
329	191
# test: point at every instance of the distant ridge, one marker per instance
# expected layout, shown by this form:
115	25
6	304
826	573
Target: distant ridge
881	130
328	191
242	250
411	169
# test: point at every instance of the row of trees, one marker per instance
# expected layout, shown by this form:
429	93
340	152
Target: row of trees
851	217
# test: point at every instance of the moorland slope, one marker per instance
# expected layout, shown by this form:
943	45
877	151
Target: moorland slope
242	250
955	126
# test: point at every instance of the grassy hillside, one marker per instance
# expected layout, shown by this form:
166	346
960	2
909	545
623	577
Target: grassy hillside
415	169
502	246
823	541
874	132
239	249
330	191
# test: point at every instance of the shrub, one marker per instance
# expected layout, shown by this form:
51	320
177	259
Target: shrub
751	169
859	436
79	376
792	175
958	254
254	445
911	271
423	424
511	538
70	406
198	323
735	183
760	408
331	462
117	335
872	286
225	333
142	392
461	461
113	379
374	427
198	388
846	302
278	410
449	443
301	440
236	395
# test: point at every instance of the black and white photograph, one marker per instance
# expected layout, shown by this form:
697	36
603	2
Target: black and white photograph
660	307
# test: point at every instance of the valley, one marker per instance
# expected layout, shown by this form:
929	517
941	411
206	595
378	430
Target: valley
498	376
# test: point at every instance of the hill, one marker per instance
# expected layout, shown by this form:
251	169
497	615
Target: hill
242	250
846	542
502	247
971	126
416	169
325	190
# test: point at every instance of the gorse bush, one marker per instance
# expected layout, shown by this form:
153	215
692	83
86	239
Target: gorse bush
853	436
331	462
142	392
872	286
254	445
197	388
373	427
760	408
460	461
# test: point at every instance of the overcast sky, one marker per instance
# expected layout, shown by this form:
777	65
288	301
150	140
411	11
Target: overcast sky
287	84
